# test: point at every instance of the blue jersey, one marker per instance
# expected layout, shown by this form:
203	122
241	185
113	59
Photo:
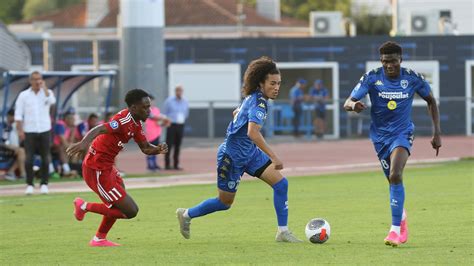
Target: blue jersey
252	109
391	100
296	95
323	92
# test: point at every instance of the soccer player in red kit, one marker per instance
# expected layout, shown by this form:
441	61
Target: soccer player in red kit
98	167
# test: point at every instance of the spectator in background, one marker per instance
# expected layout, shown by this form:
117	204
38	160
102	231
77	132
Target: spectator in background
319	95
296	99
65	134
84	127
12	142
107	117
33	123
177	110
153	132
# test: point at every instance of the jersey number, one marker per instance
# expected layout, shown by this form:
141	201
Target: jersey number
384	164
115	193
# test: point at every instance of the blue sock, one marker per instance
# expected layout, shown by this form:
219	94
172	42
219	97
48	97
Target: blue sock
206	207
280	201
397	199
149	162
153	161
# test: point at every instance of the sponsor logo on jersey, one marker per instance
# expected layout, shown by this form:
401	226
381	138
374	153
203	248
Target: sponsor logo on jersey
114	124
379	83
392	105
393	95
260	115
404	83
262	105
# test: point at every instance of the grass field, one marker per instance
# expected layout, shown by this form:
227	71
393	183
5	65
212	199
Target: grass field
42	230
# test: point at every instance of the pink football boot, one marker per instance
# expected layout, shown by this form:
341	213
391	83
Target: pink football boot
78	212
393	239
102	243
404	228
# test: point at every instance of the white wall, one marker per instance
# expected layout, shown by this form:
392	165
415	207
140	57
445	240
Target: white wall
462	12
203	83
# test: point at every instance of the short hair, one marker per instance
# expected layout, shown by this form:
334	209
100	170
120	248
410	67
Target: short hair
34	73
93	115
135	96
257	72
390	48
11	112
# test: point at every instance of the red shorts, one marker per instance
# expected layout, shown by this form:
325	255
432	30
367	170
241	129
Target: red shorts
107	184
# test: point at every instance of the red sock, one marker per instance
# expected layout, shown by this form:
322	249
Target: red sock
104	228
100	208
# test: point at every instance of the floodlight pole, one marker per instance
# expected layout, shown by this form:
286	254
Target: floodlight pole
142	48
395	10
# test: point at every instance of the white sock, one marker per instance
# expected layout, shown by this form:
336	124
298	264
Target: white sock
404	215
282	228
395	229
66	168
51	168
97	239
186	214
83	206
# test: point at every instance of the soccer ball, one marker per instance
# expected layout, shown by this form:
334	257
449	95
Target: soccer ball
317	231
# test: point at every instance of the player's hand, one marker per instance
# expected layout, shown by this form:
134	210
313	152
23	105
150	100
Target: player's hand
436	143
166	122
278	163
162	148
358	107
76	150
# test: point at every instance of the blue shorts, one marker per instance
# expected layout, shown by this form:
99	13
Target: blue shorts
231	168
385	147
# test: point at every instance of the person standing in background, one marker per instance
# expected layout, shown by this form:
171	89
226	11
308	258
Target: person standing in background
153	132
296	99
319	95
33	122
177	110
84	127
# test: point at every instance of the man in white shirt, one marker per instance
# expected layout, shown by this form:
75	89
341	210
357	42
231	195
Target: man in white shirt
33	122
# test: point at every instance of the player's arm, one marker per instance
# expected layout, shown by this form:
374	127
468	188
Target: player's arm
434	113
80	148
254	134
353	104
150	149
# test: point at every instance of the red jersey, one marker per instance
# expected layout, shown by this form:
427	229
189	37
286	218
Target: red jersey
121	128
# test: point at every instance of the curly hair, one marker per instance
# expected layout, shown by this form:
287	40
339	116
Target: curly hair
257	72
135	96
390	48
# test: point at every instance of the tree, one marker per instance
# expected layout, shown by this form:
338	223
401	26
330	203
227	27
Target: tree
10	10
369	24
33	8
301	8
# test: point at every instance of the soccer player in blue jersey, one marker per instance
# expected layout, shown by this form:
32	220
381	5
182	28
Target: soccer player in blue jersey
245	150
391	89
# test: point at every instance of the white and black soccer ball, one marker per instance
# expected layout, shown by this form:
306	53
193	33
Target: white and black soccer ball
317	231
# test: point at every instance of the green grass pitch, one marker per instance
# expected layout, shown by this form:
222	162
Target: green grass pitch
439	199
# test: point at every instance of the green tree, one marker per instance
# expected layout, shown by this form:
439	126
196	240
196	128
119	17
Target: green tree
10	10
33	8
301	8
369	24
